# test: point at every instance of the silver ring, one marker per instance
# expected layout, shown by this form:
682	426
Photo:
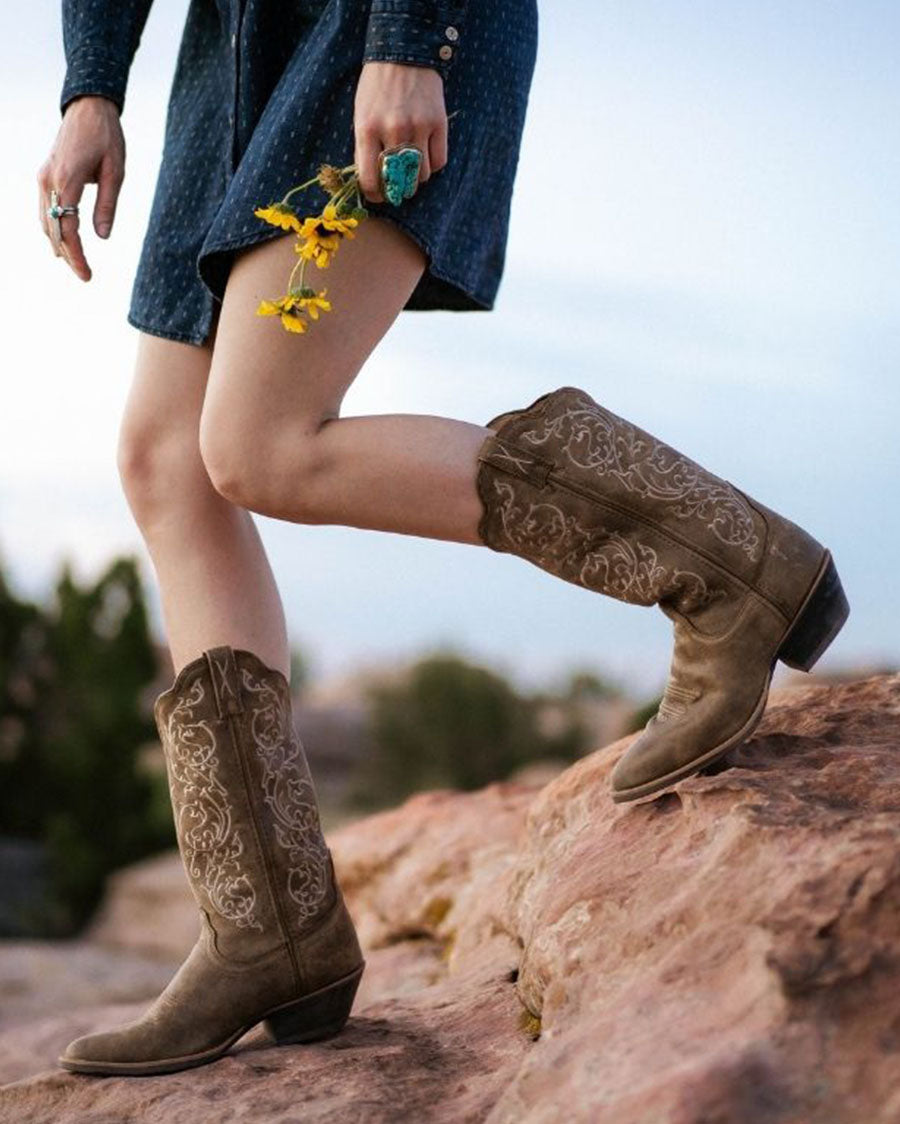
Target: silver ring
55	213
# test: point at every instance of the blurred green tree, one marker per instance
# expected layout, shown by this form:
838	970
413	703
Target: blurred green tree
301	670
587	684
642	715
73	721
453	724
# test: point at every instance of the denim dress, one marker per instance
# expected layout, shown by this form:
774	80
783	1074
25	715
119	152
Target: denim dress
263	94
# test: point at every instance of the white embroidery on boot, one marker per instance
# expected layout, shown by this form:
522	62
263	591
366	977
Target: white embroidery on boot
675	701
604	561
598	440
288	791
210	843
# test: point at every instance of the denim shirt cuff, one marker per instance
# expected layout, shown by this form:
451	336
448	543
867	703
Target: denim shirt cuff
417	32
93	72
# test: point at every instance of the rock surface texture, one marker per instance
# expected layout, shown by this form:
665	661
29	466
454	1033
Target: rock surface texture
727	953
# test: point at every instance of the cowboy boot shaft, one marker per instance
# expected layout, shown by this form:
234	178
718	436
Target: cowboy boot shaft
245	808
601	502
586	446
597	547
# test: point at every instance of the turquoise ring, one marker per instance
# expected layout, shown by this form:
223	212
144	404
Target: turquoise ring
398	172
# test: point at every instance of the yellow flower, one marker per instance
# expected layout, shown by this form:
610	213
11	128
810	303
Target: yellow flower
288	309
274	308
311	302
329	219
316	246
319	238
281	215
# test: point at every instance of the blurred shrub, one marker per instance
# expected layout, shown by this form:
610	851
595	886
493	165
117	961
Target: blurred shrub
642	715
72	724
449	723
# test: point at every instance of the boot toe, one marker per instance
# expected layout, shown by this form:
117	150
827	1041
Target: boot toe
634	769
672	749
649	757
666	752
107	1046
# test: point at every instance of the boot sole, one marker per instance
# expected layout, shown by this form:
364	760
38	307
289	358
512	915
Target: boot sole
818	621
321	1014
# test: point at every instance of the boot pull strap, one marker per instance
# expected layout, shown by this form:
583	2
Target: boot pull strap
513	459
223	672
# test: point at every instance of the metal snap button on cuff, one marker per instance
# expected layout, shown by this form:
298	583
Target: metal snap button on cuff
446	52
452	34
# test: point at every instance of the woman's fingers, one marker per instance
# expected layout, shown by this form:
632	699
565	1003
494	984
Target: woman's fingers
368	148
109	181
437	147
423	144
44	184
43	204
70	191
398	104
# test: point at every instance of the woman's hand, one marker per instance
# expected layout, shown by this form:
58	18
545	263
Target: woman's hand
398	103
89	148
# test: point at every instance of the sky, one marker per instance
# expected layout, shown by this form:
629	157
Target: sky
704	235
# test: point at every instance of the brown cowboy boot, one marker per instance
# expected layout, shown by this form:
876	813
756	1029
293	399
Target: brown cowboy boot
277	944
589	497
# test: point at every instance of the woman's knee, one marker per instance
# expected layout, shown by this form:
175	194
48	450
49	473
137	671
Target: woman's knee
160	468
158	456
261	461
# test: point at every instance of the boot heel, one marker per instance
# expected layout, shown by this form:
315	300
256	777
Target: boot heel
818	622
318	1015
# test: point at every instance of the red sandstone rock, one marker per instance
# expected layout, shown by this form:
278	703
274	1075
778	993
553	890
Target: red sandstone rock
148	910
727	953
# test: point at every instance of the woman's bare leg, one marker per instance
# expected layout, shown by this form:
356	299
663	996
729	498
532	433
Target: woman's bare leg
270	434
215	582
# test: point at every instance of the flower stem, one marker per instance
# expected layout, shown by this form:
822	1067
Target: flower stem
299	187
300	263
340	197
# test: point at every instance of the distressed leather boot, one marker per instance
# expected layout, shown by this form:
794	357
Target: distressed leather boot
276	943
585	495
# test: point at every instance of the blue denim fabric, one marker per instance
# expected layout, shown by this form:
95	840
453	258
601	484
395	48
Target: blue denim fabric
263	94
